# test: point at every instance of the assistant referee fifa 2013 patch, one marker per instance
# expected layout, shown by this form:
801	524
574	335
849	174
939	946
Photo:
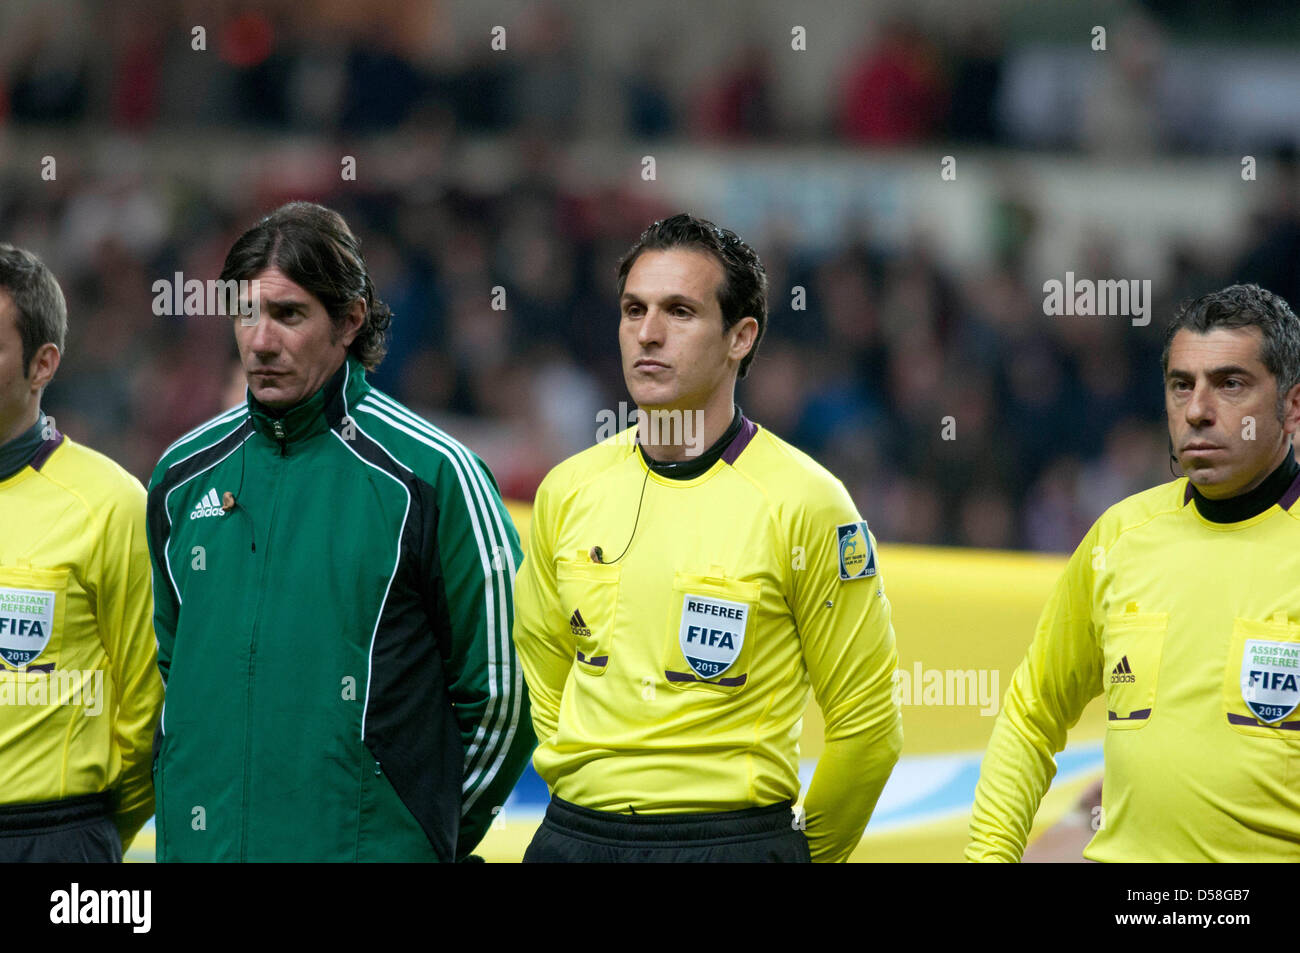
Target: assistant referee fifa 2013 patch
1270	679
26	624
857	555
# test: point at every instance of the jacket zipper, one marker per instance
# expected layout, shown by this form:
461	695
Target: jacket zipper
252	652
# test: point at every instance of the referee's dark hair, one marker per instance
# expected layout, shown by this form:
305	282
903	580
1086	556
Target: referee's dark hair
315	249
38	299
1241	306
744	289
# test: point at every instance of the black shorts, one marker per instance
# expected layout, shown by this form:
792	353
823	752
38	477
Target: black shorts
73	830
574	834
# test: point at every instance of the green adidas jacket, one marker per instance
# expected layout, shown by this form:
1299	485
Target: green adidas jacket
340	678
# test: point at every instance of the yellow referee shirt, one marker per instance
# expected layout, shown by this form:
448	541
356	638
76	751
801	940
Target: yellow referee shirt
675	678
1191	629
79	686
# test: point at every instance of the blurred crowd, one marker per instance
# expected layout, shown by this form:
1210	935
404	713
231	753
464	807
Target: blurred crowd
955	411
880	73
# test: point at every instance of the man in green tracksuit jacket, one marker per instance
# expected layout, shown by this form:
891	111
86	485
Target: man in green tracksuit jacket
333	594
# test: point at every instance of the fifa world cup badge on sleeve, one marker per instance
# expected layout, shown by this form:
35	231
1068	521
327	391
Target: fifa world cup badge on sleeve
857	555
1270	678
711	633
26	623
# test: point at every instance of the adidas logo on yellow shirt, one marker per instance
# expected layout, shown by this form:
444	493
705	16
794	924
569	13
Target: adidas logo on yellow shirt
1121	672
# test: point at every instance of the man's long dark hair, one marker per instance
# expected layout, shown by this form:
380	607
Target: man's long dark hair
314	248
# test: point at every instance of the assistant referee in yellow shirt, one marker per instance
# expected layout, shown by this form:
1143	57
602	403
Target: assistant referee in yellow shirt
687	583
80	692
1182	606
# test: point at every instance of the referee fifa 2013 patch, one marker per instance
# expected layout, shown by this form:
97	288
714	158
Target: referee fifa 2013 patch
857	555
712	633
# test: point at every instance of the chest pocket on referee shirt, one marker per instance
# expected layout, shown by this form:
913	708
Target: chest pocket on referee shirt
589	593
1261	680
712	628
1134	642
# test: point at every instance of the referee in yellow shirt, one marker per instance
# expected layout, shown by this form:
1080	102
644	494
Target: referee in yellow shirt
80	691
687	584
1182	606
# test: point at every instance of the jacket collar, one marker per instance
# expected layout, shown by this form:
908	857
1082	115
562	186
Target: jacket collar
321	411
